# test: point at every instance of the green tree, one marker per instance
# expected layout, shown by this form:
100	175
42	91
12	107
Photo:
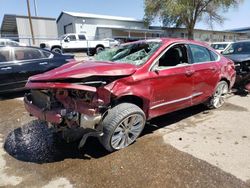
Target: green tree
187	12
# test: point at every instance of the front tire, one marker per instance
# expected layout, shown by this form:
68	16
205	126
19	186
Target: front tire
218	98
122	125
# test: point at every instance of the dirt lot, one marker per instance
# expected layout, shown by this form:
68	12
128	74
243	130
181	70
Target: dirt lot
189	148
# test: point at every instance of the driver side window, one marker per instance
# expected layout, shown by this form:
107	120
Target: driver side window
174	56
71	37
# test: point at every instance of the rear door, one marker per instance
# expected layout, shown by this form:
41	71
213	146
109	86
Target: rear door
206	74
8	69
82	42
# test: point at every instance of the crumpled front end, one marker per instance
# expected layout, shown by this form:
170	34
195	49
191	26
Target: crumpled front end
68	106
243	74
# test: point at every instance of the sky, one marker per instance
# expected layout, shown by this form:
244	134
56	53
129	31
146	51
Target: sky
236	18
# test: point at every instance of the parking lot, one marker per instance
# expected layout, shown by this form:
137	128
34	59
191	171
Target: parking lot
189	148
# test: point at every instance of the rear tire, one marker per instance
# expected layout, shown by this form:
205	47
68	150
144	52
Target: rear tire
99	49
57	50
122	125
90	52
218	98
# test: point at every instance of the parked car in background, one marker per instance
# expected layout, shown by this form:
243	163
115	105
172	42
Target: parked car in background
73	42
239	52
113	96
220	46
17	64
8	42
112	42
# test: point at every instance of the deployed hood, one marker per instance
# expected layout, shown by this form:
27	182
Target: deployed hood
238	57
86	69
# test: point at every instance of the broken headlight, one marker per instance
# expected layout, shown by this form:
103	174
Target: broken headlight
86	96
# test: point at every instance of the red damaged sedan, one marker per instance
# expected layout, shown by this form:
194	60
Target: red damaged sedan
113	96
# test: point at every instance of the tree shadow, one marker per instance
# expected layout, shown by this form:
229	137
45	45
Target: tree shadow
35	142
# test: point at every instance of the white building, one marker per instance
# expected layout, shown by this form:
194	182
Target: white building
103	26
203	35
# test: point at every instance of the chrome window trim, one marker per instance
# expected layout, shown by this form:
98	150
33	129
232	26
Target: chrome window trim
189	64
218	56
159	56
176	101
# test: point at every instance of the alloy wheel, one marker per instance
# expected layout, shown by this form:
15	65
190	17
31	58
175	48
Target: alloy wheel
127	131
220	95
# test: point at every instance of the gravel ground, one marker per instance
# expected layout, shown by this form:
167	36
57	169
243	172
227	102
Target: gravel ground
182	149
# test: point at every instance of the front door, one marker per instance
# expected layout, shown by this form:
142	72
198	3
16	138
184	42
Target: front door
70	43
30	61
171	80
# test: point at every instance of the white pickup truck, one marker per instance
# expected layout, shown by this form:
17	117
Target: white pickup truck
73	42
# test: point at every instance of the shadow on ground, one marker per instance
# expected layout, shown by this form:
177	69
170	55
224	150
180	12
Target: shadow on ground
35	142
8	96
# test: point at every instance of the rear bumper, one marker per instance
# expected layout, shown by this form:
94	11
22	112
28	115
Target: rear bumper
50	116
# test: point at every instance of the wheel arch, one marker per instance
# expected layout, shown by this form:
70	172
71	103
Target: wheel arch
134	99
56	46
99	45
227	81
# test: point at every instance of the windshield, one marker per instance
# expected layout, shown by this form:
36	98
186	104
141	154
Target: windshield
134	53
62	37
238	48
219	46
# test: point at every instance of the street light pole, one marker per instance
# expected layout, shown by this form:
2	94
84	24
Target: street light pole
31	26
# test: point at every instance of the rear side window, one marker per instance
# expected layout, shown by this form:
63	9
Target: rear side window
11	43
214	56
27	54
200	54
47	54
82	37
4	55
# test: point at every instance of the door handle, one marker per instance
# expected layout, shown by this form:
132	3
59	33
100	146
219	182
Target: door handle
212	68
6	68
189	72
43	63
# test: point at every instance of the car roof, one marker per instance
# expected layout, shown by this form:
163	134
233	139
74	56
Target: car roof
173	40
5	39
30	47
221	42
242	41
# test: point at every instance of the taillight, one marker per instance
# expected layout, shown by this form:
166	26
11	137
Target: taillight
231	64
69	60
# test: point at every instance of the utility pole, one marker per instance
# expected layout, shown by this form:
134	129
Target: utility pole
35	7
31	26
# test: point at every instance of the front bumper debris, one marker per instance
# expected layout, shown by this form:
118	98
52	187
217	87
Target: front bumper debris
45	115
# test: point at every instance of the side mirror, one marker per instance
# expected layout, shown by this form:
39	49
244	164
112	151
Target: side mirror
156	69
67	39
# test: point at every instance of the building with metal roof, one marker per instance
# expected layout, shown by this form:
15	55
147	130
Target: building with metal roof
245	30
97	26
17	27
